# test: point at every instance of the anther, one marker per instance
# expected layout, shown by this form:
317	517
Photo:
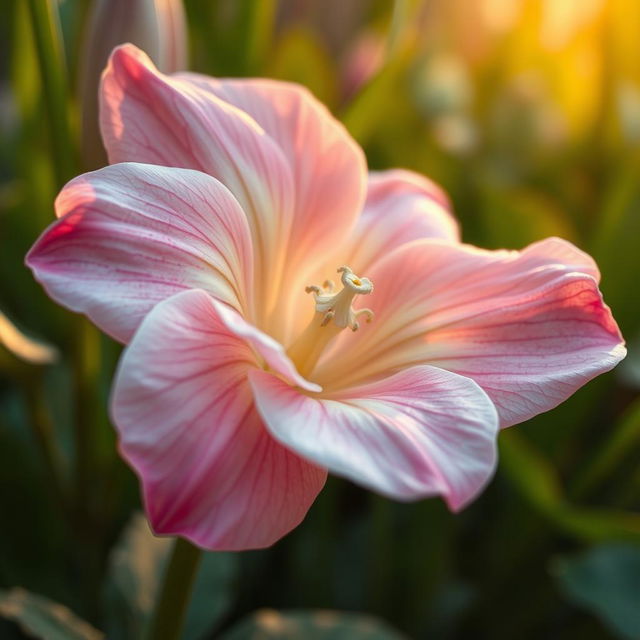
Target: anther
337	306
333	313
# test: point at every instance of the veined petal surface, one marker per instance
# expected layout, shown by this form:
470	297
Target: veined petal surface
147	116
188	425
329	177
130	235
401	207
530	327
421	432
328	167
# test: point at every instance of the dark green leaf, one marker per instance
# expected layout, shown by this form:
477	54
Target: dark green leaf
212	593
135	570
615	243
536	480
606	581
42	618
533	475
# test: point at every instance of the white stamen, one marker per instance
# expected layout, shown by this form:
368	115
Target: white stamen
333	313
336	307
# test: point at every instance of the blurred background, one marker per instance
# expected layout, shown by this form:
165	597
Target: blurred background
528	113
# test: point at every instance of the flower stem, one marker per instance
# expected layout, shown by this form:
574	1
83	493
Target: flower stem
399	19
48	39
86	359
175	592
42	426
259	32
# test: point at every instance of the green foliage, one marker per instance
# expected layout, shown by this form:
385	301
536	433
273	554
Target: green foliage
604	580
136	567
268	624
529	143
536	480
299	56
44	619
212	595
615	243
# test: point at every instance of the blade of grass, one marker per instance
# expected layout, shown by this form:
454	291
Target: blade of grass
624	440
48	38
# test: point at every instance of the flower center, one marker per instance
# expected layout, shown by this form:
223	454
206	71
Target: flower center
333	313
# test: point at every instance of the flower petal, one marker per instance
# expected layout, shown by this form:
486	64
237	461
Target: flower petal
401	206
328	167
527	326
419	433
187	422
150	117
131	235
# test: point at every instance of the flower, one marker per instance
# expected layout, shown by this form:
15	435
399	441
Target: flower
238	390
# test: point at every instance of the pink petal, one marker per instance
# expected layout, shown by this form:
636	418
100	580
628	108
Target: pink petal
188	425
419	433
131	235
530	327
401	206
149	117
328	167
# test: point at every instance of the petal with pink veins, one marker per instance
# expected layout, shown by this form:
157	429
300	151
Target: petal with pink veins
146	116
401	207
329	168
188	425
419	433
530	327
130	235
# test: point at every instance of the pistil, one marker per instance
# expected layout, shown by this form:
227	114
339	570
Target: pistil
333	314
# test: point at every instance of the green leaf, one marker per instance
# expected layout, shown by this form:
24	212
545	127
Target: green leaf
615	241
300	57
595	524
536	480
605	580
513	218
136	567
378	99
268	624
42	618
532	474
624	440
260	20
212	593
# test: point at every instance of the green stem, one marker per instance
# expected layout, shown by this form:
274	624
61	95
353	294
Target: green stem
86	358
40	421
259	31
399	19
381	562
48	38
173	599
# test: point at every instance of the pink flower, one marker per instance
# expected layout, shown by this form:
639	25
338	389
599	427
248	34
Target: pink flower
238	390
